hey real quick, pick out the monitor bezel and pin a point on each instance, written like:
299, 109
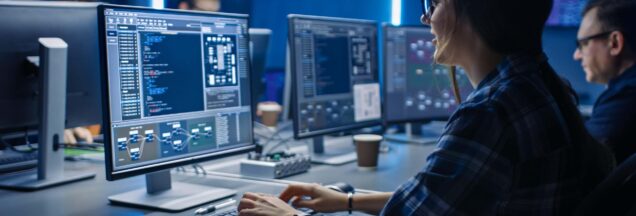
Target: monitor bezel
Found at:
111, 174
385, 68
294, 95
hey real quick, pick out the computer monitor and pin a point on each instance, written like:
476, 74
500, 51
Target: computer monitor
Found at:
334, 76
416, 89
25, 22
176, 92
259, 42
50, 80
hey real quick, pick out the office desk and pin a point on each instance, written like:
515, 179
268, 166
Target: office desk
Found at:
90, 197
394, 168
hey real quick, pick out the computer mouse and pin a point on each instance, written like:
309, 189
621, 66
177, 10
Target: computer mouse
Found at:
342, 187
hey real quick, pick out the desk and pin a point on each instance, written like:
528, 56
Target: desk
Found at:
394, 168
90, 197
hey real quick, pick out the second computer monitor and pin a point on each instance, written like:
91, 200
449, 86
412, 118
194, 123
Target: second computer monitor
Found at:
415, 88
334, 74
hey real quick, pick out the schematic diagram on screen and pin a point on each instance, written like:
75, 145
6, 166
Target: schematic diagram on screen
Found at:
220, 60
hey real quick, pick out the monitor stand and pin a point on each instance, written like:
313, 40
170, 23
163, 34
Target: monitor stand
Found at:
52, 113
341, 150
413, 134
161, 194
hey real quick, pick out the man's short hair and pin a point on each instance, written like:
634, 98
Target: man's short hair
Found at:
617, 15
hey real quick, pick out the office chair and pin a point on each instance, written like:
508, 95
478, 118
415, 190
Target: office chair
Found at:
616, 195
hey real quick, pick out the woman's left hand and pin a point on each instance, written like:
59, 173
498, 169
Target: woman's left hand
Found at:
264, 205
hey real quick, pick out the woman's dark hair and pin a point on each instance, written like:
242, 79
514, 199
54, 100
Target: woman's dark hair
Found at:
596, 161
515, 27
507, 26
617, 15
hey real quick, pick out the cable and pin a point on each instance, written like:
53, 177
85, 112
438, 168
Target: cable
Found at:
26, 139
282, 128
180, 169
198, 167
281, 143
13, 148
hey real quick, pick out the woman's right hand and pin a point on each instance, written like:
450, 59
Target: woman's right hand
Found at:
322, 199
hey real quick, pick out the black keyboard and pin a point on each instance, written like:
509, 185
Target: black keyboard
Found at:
11, 161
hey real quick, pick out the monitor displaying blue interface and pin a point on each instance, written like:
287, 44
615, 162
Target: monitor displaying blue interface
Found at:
334, 74
566, 13
417, 89
177, 88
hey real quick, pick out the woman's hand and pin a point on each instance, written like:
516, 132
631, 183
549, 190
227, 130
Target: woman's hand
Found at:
264, 205
321, 199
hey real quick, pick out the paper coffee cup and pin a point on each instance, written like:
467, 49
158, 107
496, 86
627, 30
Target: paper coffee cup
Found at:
269, 113
367, 149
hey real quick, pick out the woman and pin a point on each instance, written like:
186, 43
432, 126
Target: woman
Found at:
517, 146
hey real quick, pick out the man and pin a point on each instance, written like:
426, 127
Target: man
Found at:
606, 47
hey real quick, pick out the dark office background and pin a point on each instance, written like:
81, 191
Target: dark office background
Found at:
559, 35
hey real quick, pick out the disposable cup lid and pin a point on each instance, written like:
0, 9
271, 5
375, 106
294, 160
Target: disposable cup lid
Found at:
367, 138
269, 107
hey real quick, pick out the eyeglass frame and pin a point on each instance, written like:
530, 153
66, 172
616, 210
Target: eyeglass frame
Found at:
585, 40
427, 9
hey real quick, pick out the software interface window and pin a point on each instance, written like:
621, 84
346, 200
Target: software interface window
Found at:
336, 74
178, 85
417, 88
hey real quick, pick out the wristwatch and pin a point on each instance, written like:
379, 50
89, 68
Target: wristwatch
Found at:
350, 205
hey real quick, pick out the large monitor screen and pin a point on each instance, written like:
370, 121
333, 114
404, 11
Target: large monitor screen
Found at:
177, 87
334, 74
26, 21
417, 89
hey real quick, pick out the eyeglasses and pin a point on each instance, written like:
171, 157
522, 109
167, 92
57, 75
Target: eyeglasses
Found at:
428, 7
583, 41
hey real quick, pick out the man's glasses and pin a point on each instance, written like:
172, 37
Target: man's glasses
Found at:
428, 7
583, 41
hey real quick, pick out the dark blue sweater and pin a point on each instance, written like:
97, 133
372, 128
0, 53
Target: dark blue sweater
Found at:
613, 121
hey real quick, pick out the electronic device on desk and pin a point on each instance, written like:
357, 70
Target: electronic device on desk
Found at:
416, 90
335, 82
50, 79
176, 91
275, 165
11, 161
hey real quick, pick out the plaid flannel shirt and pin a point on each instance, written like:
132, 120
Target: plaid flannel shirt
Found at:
504, 152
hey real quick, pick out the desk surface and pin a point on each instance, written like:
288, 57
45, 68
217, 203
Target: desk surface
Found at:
90, 197
394, 168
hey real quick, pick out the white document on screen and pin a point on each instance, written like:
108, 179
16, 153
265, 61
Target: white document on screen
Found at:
366, 99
